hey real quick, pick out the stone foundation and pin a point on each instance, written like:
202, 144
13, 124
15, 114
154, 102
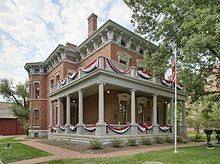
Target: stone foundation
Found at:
38, 133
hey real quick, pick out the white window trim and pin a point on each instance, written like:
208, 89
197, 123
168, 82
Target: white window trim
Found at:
124, 56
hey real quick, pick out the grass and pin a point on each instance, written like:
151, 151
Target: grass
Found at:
203, 135
18, 151
190, 155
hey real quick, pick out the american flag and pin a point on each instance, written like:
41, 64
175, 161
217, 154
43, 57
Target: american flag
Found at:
174, 68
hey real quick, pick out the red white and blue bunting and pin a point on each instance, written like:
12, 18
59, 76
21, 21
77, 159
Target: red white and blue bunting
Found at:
179, 86
114, 68
73, 128
62, 128
142, 128
91, 67
73, 76
164, 128
54, 129
143, 75
119, 130
62, 82
89, 128
165, 82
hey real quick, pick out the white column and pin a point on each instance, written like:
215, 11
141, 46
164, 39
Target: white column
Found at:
67, 126
101, 102
58, 112
184, 127
172, 115
51, 116
155, 124
101, 125
133, 121
133, 113
58, 115
80, 107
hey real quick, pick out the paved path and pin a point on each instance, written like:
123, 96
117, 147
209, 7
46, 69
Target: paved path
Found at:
61, 153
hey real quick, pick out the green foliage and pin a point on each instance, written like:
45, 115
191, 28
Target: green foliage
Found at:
95, 144
192, 26
18, 95
158, 139
117, 142
132, 142
146, 141
25, 126
179, 139
169, 139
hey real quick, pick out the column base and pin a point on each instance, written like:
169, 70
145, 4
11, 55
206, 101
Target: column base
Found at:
59, 130
134, 129
79, 129
100, 129
67, 129
156, 129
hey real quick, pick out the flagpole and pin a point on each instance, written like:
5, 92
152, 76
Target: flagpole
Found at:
175, 111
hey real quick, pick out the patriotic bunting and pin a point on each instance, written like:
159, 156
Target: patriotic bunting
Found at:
119, 130
144, 75
165, 82
89, 128
73, 75
62, 82
116, 69
73, 128
164, 128
91, 67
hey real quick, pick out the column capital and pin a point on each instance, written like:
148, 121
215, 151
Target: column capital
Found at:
68, 95
155, 94
101, 82
132, 90
80, 90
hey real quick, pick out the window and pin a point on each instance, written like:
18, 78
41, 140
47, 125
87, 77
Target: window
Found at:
140, 113
141, 51
124, 57
122, 42
123, 62
30, 91
133, 47
123, 112
36, 90
37, 70
51, 84
57, 78
36, 117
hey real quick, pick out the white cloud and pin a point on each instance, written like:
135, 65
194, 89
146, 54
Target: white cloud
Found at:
31, 30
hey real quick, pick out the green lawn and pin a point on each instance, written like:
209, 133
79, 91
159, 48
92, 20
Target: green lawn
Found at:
18, 151
191, 155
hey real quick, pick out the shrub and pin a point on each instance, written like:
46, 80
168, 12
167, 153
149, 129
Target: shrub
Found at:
159, 139
146, 141
117, 142
96, 144
169, 139
179, 139
131, 142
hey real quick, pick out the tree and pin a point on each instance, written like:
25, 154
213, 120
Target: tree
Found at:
193, 26
19, 96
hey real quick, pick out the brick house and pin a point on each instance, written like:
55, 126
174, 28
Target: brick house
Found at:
9, 125
97, 89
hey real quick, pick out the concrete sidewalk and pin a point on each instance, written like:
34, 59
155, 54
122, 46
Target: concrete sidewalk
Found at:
61, 153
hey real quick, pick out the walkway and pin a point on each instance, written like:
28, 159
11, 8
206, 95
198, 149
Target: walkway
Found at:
61, 153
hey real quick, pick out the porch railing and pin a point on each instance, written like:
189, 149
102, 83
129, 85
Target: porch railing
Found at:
116, 67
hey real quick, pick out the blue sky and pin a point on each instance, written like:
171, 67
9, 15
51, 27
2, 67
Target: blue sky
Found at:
30, 30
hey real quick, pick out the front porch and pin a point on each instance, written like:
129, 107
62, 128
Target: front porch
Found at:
104, 104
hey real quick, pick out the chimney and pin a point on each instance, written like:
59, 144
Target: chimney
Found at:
92, 24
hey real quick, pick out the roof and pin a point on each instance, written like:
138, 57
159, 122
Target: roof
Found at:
6, 111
